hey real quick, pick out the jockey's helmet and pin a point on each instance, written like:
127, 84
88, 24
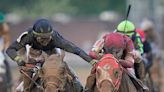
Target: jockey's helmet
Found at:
114, 43
126, 27
43, 31
147, 25
141, 33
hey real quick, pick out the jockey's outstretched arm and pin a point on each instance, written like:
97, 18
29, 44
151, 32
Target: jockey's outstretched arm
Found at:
70, 47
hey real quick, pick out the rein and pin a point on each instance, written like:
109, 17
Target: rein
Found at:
33, 67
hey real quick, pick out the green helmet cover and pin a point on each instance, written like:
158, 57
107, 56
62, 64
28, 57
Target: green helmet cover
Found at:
126, 27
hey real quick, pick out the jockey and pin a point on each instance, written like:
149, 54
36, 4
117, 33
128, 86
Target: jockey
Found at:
151, 41
120, 45
117, 44
147, 49
43, 37
5, 41
148, 27
128, 28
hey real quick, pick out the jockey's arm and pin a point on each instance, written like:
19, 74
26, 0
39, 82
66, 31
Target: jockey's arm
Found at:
68, 46
128, 61
17, 45
96, 49
139, 44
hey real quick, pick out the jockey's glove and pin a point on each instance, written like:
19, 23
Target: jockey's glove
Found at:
93, 62
19, 61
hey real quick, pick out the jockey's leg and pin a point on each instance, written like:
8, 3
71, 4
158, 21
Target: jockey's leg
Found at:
76, 82
141, 73
140, 70
26, 82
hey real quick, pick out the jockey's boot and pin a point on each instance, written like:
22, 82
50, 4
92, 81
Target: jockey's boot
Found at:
140, 70
76, 82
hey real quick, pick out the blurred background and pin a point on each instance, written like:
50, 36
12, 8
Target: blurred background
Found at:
83, 22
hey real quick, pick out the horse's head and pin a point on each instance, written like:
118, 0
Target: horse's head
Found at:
53, 73
108, 73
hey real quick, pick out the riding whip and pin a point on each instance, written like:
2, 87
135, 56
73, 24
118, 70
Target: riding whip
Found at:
127, 15
31, 79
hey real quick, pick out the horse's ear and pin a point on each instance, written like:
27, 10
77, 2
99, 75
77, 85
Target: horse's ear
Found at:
62, 54
44, 55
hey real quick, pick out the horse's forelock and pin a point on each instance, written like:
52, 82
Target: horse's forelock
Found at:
54, 57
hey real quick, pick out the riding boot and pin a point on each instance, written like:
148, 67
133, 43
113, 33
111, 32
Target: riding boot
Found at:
76, 82
140, 70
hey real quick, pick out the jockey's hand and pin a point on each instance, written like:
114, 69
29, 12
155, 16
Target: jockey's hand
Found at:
137, 54
93, 62
19, 61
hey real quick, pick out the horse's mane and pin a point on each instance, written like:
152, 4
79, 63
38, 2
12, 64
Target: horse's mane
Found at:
53, 65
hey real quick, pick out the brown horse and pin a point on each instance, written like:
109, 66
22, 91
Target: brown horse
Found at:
55, 76
108, 76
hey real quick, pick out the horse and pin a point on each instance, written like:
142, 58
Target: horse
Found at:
109, 76
53, 75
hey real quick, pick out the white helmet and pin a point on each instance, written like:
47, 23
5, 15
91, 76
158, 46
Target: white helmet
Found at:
146, 24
